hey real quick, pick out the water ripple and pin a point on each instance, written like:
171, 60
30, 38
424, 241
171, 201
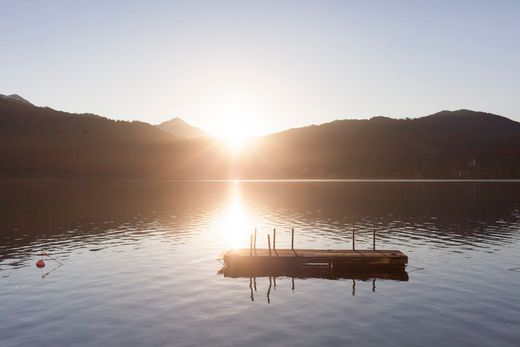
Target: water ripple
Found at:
139, 264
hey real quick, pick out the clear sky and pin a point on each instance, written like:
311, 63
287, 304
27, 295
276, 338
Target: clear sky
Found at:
262, 65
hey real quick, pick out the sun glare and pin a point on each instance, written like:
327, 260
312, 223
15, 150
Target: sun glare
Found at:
235, 142
232, 122
233, 223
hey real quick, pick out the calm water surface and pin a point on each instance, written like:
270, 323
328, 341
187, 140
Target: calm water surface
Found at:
139, 264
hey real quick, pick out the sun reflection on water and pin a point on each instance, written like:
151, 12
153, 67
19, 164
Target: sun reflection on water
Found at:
235, 225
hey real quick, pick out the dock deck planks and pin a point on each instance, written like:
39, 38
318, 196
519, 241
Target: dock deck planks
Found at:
333, 257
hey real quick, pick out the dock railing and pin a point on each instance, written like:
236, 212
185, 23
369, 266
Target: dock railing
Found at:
252, 243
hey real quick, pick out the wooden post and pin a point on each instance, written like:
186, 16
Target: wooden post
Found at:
269, 243
251, 245
353, 239
374, 240
254, 241
292, 239
274, 239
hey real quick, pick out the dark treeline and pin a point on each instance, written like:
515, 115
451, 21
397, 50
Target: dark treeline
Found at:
458, 144
42, 142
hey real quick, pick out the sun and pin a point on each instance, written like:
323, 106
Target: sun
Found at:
233, 124
235, 141
234, 133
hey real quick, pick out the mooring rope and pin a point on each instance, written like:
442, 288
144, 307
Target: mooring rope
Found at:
415, 268
51, 258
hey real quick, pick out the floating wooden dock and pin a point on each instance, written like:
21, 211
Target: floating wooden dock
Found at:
254, 260
265, 258
316, 271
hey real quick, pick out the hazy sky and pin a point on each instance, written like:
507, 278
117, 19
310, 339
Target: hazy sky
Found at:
262, 65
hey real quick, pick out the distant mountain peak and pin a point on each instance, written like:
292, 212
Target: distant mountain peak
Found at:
180, 128
175, 121
15, 97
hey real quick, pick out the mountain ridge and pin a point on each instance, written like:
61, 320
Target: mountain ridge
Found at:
42, 142
15, 97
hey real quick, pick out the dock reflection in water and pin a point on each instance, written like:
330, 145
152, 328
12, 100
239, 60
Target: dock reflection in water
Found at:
312, 272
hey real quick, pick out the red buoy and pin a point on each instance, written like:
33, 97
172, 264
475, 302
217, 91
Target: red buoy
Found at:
40, 263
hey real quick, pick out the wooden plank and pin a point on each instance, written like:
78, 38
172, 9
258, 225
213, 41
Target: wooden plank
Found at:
316, 253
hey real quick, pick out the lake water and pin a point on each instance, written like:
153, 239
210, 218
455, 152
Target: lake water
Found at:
140, 264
